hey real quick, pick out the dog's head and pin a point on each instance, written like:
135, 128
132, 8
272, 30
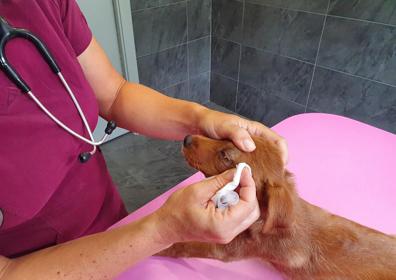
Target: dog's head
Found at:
275, 187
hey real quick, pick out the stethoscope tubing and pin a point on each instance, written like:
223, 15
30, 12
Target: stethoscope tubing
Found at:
7, 33
61, 124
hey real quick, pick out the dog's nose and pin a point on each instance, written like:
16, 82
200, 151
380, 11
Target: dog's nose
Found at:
187, 141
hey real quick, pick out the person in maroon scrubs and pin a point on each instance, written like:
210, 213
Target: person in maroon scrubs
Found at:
54, 209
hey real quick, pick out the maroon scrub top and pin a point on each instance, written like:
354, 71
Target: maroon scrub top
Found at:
46, 195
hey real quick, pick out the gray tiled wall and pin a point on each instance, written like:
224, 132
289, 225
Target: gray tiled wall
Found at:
275, 58
173, 46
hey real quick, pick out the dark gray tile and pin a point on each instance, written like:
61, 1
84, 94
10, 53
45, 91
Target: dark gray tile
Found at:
128, 164
199, 18
159, 28
143, 4
383, 11
281, 76
200, 88
227, 19
225, 57
163, 69
290, 33
199, 56
197, 90
165, 2
266, 108
214, 106
360, 48
223, 91
342, 94
316, 6
309, 110
179, 90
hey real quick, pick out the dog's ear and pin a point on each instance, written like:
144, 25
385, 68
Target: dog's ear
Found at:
278, 209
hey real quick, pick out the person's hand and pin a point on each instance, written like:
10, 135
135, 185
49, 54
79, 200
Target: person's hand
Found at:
219, 125
190, 215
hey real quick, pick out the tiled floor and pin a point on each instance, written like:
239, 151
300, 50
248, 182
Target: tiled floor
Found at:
144, 168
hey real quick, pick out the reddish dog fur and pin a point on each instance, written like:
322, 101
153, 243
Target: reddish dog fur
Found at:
299, 239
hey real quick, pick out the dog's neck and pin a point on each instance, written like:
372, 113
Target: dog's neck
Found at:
279, 203
285, 230
298, 238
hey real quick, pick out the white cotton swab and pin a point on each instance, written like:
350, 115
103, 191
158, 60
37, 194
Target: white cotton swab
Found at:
227, 196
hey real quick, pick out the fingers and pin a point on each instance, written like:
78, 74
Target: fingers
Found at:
240, 134
240, 137
244, 216
206, 189
247, 191
246, 212
258, 129
212, 224
239, 131
241, 216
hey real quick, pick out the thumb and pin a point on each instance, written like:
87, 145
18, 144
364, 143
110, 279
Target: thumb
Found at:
247, 191
207, 188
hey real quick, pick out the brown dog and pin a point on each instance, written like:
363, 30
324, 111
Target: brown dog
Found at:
299, 239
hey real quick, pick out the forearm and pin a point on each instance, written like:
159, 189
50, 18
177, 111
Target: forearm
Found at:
146, 111
99, 256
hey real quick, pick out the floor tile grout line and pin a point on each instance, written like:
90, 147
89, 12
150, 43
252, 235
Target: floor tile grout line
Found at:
172, 47
240, 55
317, 56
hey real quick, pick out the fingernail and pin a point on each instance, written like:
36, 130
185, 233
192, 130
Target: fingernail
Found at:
249, 145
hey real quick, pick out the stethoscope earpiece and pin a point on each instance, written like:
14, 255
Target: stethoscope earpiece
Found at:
110, 127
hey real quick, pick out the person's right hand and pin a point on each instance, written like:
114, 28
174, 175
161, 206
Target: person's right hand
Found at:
190, 215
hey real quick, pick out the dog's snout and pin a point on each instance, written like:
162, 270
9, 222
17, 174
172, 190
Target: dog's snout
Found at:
187, 141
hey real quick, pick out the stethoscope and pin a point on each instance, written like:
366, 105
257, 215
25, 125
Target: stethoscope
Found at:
7, 32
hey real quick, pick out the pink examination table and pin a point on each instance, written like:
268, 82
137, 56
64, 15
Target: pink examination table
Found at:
341, 165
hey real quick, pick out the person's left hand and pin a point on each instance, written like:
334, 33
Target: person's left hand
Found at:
219, 125
189, 214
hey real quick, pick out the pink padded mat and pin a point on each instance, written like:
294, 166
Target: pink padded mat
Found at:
342, 165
